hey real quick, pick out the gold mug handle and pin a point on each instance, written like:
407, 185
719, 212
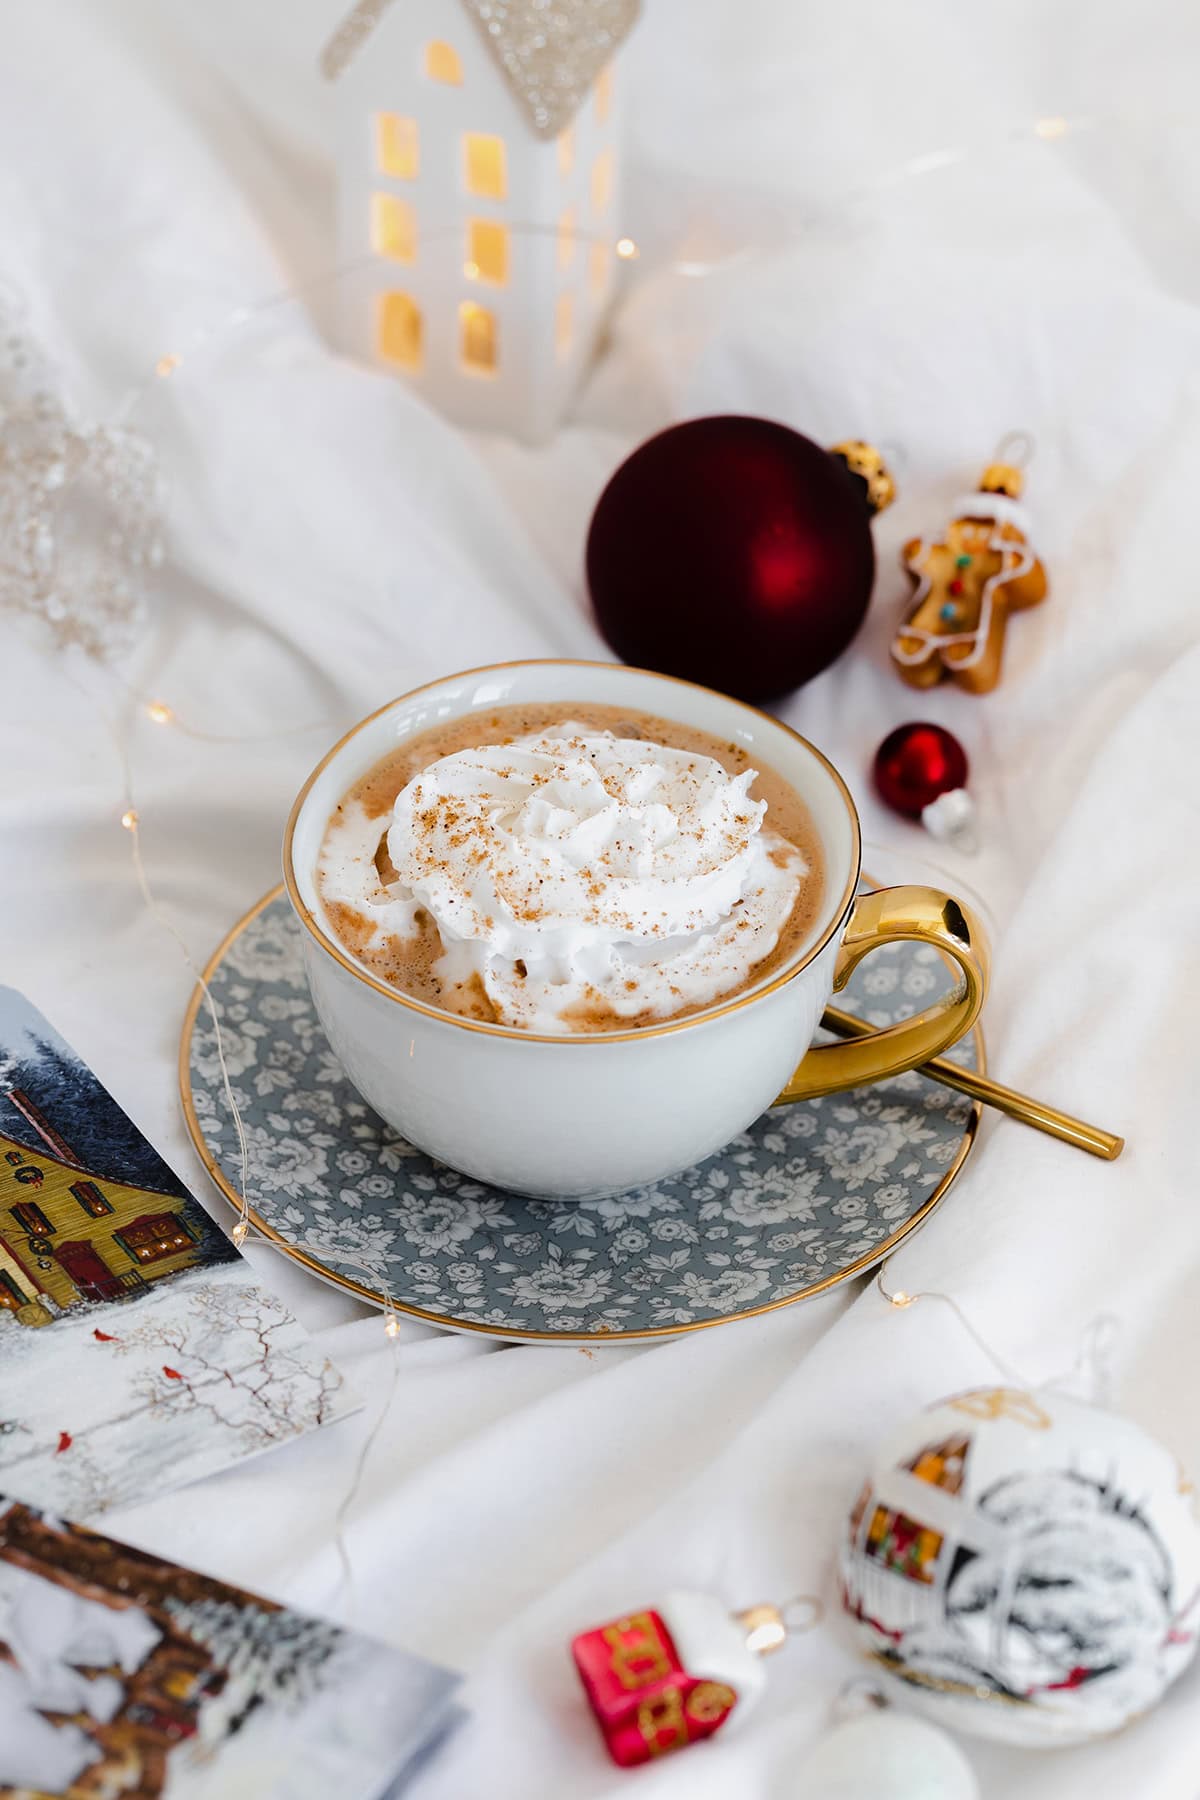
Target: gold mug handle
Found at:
884, 917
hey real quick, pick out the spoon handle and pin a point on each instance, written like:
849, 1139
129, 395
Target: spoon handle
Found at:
981, 1087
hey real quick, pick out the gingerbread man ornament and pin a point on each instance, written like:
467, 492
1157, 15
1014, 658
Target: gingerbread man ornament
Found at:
965, 586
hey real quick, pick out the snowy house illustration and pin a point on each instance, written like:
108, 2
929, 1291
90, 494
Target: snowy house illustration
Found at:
478, 183
121, 1674
69, 1234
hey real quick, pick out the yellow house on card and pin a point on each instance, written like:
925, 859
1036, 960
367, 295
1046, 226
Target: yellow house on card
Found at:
68, 1234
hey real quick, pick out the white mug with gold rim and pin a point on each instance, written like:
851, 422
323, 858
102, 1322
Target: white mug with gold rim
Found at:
572, 1117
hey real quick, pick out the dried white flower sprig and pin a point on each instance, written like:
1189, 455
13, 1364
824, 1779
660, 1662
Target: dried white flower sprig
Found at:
80, 504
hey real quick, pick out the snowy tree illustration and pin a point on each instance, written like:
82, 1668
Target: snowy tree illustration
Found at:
235, 1355
269, 1657
218, 1363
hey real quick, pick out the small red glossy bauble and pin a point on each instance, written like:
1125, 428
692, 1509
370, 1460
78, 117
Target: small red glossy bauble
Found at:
916, 764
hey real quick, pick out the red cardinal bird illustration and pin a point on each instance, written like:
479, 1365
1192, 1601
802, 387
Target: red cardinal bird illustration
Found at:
65, 1440
172, 1374
104, 1337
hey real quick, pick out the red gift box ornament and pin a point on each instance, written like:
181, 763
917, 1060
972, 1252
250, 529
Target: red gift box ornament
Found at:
664, 1678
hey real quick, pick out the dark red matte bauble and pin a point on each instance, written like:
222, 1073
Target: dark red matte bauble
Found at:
916, 764
733, 552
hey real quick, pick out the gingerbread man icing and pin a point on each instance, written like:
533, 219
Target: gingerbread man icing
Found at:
965, 586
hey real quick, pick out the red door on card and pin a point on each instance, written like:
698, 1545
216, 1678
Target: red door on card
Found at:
88, 1270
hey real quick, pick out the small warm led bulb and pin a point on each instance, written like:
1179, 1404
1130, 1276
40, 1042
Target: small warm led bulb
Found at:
626, 249
240, 1232
160, 712
900, 1298
392, 1326
129, 819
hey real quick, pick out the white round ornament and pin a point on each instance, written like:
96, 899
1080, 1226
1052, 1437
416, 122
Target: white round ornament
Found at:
886, 1755
1027, 1565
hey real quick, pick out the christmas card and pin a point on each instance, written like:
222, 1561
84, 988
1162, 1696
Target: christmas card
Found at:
122, 1674
137, 1350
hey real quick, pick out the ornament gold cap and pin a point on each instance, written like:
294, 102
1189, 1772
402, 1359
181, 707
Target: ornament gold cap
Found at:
1002, 478
764, 1628
865, 461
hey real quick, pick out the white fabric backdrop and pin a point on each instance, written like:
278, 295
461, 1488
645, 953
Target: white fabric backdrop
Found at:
163, 163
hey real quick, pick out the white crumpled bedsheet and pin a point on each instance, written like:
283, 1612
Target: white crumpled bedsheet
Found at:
332, 545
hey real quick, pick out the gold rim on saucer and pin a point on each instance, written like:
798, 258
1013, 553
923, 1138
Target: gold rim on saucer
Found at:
362, 1291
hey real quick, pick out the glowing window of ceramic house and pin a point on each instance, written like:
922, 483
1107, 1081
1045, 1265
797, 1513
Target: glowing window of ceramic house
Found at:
598, 268
487, 252
486, 173
398, 333
396, 146
602, 176
442, 64
562, 325
566, 238
566, 150
603, 93
393, 228
478, 338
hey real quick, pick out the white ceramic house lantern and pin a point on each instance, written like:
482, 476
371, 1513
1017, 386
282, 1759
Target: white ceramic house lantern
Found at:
478, 187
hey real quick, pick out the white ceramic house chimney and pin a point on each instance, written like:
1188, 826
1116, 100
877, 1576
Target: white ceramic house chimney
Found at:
478, 183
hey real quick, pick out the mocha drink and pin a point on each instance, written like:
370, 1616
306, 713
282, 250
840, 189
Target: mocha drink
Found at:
570, 869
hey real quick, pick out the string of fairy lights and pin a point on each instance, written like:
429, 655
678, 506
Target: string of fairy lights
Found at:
1048, 129
336, 279
1092, 1363
244, 1226
130, 820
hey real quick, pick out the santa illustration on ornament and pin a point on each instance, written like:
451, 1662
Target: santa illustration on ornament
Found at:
1033, 1573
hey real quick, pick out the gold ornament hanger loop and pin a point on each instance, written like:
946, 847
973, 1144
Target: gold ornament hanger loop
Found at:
1005, 474
1016, 447
769, 1627
866, 461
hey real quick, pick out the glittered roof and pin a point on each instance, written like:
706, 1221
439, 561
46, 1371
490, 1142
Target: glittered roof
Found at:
549, 51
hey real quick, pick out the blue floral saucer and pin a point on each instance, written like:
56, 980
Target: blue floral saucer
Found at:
813, 1193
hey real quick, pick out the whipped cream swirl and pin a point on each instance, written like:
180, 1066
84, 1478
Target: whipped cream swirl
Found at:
577, 875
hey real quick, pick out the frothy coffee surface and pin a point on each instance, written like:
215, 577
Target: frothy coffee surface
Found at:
569, 869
